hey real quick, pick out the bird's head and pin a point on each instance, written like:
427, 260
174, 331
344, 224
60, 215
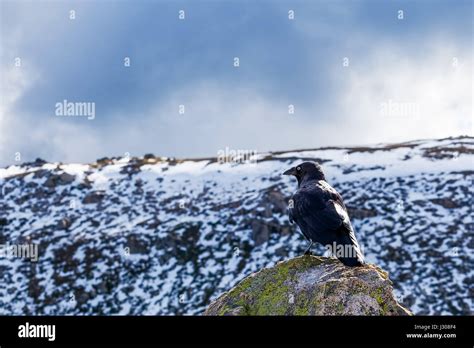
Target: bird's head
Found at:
306, 171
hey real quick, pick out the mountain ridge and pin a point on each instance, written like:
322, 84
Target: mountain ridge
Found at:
152, 235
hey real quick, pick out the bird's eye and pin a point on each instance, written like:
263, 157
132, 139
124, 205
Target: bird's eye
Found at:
298, 168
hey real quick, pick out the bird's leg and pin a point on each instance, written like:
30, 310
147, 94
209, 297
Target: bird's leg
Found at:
308, 250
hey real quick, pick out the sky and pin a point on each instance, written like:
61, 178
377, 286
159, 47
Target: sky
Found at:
310, 74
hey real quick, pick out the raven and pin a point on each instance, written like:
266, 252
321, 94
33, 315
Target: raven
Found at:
318, 210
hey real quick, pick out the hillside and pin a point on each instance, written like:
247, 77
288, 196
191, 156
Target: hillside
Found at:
157, 235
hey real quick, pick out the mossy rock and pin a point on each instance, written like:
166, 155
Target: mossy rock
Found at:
310, 285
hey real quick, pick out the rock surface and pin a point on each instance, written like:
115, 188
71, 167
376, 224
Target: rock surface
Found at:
310, 285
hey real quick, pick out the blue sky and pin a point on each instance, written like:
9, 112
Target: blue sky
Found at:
421, 64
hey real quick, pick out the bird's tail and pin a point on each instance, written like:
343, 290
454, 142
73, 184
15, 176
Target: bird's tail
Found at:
351, 261
348, 250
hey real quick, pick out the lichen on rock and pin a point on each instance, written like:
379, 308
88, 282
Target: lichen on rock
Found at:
310, 285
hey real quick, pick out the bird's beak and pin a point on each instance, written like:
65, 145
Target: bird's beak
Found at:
290, 171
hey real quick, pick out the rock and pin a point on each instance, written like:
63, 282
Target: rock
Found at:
310, 285
64, 223
136, 245
276, 200
51, 181
445, 203
38, 162
260, 232
361, 213
93, 197
66, 178
61, 179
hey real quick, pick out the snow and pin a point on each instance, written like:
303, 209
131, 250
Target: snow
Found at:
189, 225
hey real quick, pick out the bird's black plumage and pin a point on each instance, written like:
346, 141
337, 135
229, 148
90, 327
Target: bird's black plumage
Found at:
318, 210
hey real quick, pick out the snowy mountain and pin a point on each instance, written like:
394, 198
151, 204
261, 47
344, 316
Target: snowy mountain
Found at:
151, 235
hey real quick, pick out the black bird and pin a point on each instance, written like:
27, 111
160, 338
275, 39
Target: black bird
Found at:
318, 210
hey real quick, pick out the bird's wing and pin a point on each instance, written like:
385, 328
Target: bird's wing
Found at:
314, 212
345, 234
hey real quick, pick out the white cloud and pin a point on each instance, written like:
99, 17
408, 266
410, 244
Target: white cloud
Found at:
222, 115
15, 81
426, 78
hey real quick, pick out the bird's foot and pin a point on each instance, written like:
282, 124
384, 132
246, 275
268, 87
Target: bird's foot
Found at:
308, 249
